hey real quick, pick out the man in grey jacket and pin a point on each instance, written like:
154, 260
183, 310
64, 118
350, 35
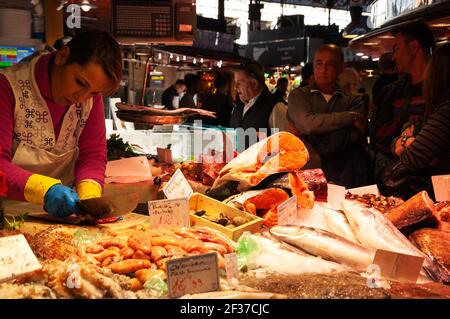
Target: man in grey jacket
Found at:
331, 122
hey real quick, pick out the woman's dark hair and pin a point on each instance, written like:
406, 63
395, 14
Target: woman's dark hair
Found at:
437, 78
98, 47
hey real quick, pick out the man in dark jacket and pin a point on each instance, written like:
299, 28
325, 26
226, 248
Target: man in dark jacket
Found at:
174, 90
280, 90
257, 104
331, 122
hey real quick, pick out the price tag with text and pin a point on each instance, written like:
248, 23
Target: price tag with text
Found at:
336, 194
287, 211
231, 268
178, 186
16, 257
169, 213
396, 266
194, 274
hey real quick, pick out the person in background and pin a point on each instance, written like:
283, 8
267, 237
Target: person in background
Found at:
220, 102
386, 66
349, 80
258, 103
192, 82
331, 122
401, 104
428, 153
52, 132
175, 90
281, 90
307, 74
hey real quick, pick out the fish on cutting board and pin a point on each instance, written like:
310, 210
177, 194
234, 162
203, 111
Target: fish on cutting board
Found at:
326, 245
374, 230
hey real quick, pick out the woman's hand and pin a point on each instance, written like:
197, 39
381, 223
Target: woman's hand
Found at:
405, 140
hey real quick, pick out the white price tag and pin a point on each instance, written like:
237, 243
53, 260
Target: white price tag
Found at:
178, 186
370, 189
231, 268
193, 274
441, 187
287, 211
396, 266
336, 194
16, 257
169, 213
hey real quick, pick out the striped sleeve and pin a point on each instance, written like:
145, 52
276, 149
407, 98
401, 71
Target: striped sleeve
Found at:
432, 143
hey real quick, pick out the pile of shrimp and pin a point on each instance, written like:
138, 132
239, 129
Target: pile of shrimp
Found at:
142, 253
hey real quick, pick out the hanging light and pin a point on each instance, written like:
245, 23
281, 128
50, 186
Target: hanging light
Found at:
184, 58
159, 56
85, 5
178, 58
201, 60
194, 61
171, 56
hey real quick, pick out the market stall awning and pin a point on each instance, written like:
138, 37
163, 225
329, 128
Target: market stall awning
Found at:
380, 40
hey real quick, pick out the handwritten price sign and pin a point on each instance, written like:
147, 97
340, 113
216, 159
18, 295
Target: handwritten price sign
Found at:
178, 186
169, 213
16, 257
287, 211
191, 275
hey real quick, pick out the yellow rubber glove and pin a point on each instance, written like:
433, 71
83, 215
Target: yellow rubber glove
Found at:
37, 186
88, 188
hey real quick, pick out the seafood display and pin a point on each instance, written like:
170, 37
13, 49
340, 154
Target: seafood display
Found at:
281, 152
435, 243
326, 245
382, 203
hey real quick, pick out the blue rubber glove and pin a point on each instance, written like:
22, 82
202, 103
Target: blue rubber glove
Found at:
61, 201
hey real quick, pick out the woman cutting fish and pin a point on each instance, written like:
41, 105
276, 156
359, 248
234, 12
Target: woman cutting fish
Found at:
52, 135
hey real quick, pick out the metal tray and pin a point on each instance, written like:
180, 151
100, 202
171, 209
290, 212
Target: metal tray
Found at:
139, 117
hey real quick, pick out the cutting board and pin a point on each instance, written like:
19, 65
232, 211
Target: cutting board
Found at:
33, 225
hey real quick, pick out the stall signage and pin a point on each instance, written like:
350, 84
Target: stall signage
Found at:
336, 194
169, 213
441, 187
396, 266
16, 257
287, 211
178, 186
194, 274
231, 268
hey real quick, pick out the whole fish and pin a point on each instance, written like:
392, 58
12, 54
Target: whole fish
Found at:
327, 245
374, 230
337, 222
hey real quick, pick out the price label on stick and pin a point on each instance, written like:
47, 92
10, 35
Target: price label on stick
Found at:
396, 266
16, 257
287, 211
194, 274
169, 213
336, 194
231, 268
178, 186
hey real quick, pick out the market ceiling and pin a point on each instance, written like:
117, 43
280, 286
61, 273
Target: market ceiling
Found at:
380, 40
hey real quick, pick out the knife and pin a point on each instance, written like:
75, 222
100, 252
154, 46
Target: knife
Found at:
110, 205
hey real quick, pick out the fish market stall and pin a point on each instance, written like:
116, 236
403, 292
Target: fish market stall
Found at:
255, 244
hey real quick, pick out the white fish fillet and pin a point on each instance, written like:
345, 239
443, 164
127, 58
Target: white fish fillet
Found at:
338, 224
326, 245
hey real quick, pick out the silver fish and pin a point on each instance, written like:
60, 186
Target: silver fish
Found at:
374, 230
326, 245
